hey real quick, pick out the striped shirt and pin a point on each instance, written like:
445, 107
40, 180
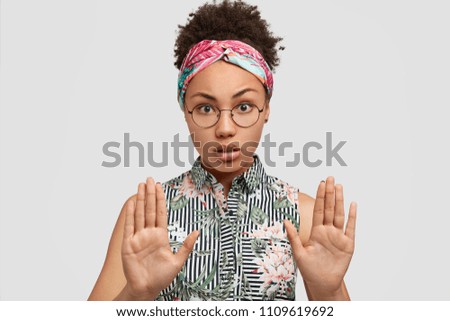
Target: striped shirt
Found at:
242, 252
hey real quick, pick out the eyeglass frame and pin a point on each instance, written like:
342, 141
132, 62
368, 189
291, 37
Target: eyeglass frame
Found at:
231, 110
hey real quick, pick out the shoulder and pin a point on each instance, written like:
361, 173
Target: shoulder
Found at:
305, 204
179, 180
281, 187
305, 200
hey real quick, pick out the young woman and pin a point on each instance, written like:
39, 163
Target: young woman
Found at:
226, 229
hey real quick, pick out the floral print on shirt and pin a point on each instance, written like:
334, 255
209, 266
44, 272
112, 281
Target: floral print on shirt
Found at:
242, 252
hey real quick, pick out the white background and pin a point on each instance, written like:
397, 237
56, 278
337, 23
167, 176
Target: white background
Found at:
77, 74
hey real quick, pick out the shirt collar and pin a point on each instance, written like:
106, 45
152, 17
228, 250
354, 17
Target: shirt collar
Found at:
250, 179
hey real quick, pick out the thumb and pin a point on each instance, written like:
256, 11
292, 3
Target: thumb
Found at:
294, 239
187, 247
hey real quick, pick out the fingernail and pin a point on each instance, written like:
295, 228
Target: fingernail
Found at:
322, 181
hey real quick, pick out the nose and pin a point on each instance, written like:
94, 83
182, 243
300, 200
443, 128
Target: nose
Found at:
225, 127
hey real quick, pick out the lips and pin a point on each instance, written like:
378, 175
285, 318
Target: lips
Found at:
227, 148
228, 153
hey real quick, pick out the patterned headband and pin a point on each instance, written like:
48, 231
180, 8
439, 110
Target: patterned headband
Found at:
237, 52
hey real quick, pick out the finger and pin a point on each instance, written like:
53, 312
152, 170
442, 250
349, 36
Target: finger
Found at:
339, 213
319, 205
294, 239
329, 201
161, 207
186, 248
351, 223
150, 207
129, 219
139, 218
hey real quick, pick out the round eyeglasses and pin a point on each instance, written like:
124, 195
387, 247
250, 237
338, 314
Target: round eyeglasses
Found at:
243, 115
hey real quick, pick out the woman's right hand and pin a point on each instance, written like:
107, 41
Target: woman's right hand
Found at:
148, 262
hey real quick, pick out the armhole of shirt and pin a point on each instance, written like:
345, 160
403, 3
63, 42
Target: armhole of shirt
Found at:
297, 204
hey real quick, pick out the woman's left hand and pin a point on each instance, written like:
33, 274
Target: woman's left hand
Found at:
324, 259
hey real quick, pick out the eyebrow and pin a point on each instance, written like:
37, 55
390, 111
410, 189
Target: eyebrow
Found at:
239, 93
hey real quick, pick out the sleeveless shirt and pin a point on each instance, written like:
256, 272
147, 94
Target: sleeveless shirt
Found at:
242, 252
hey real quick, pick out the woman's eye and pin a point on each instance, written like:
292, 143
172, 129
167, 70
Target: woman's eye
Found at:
205, 109
245, 108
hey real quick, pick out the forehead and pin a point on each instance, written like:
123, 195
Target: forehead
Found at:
224, 79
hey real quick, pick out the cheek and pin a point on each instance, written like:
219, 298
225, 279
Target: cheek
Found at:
199, 138
251, 140
254, 135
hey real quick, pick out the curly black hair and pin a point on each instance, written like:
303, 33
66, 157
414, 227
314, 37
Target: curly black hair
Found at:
228, 20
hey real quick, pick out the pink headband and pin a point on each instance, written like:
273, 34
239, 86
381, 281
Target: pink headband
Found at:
237, 52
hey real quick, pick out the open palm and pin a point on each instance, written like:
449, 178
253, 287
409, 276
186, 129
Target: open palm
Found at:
324, 259
148, 261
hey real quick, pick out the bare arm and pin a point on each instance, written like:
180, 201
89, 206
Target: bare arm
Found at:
111, 280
